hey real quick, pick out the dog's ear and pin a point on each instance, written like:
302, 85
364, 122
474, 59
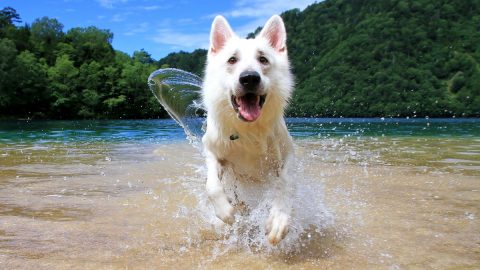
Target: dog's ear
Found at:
219, 34
274, 31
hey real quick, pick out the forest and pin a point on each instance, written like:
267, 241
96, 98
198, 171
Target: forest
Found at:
46, 73
351, 58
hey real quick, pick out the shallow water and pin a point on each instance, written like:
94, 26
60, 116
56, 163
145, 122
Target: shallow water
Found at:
373, 194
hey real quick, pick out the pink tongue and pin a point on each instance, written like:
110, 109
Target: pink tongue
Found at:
249, 107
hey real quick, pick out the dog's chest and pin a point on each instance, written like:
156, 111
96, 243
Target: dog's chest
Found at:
252, 159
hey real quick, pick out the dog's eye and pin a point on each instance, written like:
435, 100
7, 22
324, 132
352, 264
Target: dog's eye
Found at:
263, 60
232, 60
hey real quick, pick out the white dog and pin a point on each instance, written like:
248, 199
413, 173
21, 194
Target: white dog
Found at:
247, 86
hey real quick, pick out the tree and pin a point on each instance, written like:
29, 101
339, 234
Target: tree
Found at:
143, 57
30, 75
7, 57
193, 62
63, 78
90, 84
45, 34
91, 44
8, 16
136, 92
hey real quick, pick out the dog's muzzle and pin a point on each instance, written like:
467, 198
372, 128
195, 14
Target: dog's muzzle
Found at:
248, 104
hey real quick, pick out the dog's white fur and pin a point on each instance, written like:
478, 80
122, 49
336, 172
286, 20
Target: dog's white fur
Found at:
264, 146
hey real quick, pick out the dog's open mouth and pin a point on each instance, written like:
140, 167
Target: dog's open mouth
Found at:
248, 106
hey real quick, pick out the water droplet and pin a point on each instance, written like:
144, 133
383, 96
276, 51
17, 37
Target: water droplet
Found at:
470, 216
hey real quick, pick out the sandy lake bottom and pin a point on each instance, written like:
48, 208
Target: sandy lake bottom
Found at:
384, 203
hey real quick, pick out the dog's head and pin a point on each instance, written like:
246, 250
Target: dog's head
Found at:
248, 73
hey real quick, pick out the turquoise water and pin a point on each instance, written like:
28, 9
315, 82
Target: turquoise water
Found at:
166, 130
378, 127
134, 131
445, 145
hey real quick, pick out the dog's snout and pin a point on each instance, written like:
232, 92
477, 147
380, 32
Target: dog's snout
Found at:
250, 80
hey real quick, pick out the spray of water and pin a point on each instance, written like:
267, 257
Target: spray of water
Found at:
310, 222
179, 92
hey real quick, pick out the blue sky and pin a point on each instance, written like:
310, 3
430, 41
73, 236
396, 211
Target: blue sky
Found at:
158, 26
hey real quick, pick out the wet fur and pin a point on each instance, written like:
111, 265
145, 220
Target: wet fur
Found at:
263, 149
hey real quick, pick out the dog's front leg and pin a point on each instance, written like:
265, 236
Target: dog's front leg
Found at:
223, 209
279, 217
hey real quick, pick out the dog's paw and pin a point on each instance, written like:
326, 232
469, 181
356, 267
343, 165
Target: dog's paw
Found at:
277, 226
224, 211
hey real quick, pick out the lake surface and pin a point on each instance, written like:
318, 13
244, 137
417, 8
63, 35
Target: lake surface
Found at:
372, 194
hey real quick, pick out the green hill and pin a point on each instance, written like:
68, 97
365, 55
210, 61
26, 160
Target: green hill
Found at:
386, 58
351, 58
381, 58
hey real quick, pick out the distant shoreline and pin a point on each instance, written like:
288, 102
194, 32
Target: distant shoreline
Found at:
381, 118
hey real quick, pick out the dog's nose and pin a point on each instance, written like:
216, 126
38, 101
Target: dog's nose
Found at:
250, 80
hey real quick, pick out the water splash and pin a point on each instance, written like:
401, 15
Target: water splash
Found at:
179, 92
311, 221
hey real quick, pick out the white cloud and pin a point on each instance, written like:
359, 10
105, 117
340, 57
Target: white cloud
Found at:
120, 4
181, 40
259, 11
149, 7
256, 12
137, 29
120, 17
265, 8
110, 3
